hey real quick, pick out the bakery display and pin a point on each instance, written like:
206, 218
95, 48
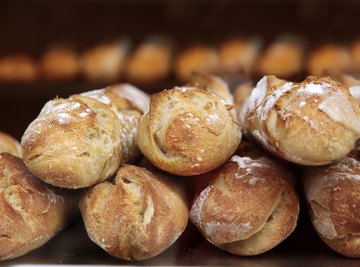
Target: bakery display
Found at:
314, 122
136, 217
9, 144
247, 206
31, 213
188, 131
332, 193
79, 141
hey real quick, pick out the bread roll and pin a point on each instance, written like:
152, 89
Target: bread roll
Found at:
18, 68
238, 55
82, 140
355, 55
150, 62
283, 58
105, 62
135, 218
241, 94
328, 58
247, 207
60, 64
197, 58
9, 144
349, 81
187, 131
310, 123
332, 193
30, 212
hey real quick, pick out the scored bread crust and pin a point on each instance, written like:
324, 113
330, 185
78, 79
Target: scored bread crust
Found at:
248, 206
30, 212
137, 217
333, 196
9, 144
187, 131
310, 123
79, 141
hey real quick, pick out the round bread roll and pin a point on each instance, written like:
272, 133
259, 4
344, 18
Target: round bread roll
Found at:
30, 212
9, 144
333, 195
150, 62
238, 55
82, 140
187, 131
196, 59
59, 64
328, 58
135, 218
18, 68
247, 207
105, 62
283, 58
310, 123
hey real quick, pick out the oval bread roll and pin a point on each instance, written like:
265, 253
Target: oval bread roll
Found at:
82, 140
187, 131
310, 123
30, 212
333, 195
9, 144
135, 218
247, 206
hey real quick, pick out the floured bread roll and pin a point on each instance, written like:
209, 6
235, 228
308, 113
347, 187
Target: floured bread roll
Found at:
247, 206
311, 123
82, 140
9, 144
332, 193
137, 217
30, 212
187, 131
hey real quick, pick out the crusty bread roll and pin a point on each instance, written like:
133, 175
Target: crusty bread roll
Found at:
247, 206
18, 68
332, 193
283, 58
187, 131
349, 81
196, 58
104, 62
137, 217
82, 140
328, 58
31, 213
59, 64
9, 144
310, 123
238, 55
150, 62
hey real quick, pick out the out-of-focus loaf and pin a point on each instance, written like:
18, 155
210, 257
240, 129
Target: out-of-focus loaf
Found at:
9, 144
310, 123
188, 131
18, 68
247, 206
137, 217
31, 213
82, 140
333, 195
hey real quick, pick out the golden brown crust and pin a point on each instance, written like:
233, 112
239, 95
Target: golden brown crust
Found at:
187, 131
60, 64
31, 213
311, 123
9, 144
136, 218
248, 207
196, 59
332, 193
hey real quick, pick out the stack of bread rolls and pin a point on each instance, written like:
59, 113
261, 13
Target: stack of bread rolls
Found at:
242, 197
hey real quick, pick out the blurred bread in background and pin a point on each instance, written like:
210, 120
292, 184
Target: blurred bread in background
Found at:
9, 144
18, 68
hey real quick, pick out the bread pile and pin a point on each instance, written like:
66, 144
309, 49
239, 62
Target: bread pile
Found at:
200, 142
